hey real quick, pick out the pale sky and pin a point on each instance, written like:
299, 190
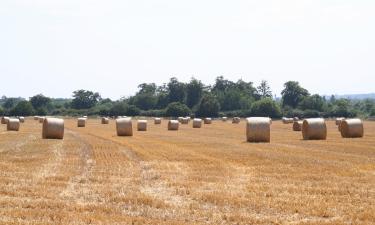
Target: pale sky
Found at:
57, 46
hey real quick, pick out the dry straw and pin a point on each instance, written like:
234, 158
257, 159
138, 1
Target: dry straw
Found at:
81, 122
287, 120
236, 120
41, 119
258, 129
105, 120
297, 125
157, 120
207, 120
185, 120
124, 127
13, 124
53, 128
36, 117
224, 118
338, 120
4, 120
180, 119
314, 129
173, 125
22, 119
197, 123
351, 128
142, 125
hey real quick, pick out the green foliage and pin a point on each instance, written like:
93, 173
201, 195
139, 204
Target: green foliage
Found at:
123, 109
83, 99
194, 92
313, 102
40, 101
266, 107
264, 90
176, 109
23, 108
176, 91
9, 103
2, 111
208, 106
293, 94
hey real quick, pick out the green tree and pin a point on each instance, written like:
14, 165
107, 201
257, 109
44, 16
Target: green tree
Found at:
266, 107
9, 103
23, 108
145, 98
264, 90
176, 109
40, 101
313, 102
194, 92
83, 99
176, 91
208, 106
293, 94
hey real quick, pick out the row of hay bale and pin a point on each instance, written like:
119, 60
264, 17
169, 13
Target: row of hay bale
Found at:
13, 124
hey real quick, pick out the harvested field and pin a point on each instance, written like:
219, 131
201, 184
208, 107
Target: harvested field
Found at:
210, 175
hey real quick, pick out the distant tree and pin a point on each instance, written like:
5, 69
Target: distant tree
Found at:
293, 94
264, 90
83, 99
40, 101
23, 108
145, 98
10, 102
266, 107
194, 92
118, 109
208, 106
341, 108
313, 102
176, 109
1, 111
176, 90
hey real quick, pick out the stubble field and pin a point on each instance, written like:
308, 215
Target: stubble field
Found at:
190, 176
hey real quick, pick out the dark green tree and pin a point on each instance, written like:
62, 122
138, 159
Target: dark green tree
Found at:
293, 94
194, 92
40, 101
176, 89
208, 106
313, 102
23, 108
264, 90
83, 99
176, 109
266, 107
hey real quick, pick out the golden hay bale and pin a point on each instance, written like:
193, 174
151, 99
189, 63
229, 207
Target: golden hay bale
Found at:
41, 119
81, 122
295, 119
124, 127
84, 117
53, 128
180, 118
338, 120
314, 129
13, 124
4, 120
173, 125
258, 129
224, 118
236, 120
287, 120
22, 119
36, 117
197, 123
207, 120
142, 125
184, 120
105, 120
351, 128
157, 120
297, 125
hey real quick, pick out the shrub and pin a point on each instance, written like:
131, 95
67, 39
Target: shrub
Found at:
266, 107
175, 109
208, 107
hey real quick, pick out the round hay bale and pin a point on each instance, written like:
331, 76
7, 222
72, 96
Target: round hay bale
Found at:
13, 124
124, 127
197, 123
4, 120
184, 120
173, 125
338, 120
157, 120
351, 128
84, 117
41, 119
287, 120
207, 120
53, 128
142, 125
81, 122
36, 117
180, 119
224, 118
105, 120
22, 119
236, 120
314, 129
258, 129
295, 119
297, 125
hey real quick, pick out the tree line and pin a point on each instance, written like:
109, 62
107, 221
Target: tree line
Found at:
175, 98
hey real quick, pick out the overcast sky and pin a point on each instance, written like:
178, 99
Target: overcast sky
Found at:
57, 46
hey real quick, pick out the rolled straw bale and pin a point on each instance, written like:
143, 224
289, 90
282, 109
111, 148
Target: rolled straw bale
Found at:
36, 117
41, 119
53, 128
105, 120
142, 125
13, 124
184, 120
197, 123
207, 120
173, 125
297, 125
258, 129
236, 120
124, 127
157, 120
338, 120
224, 118
180, 119
4, 120
314, 129
22, 119
81, 122
84, 117
351, 128
287, 120
295, 119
